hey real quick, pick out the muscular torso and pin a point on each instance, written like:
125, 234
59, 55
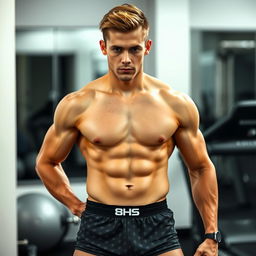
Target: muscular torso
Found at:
126, 141
126, 138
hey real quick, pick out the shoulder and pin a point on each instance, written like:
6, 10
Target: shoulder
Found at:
72, 106
77, 101
80, 100
177, 100
154, 83
181, 105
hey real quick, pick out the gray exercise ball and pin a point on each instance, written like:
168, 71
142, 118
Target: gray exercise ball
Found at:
41, 220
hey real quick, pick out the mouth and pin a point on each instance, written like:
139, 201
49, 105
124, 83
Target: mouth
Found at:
125, 70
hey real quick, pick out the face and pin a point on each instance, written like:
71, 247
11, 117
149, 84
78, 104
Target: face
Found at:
125, 53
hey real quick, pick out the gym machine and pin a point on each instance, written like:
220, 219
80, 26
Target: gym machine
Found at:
235, 134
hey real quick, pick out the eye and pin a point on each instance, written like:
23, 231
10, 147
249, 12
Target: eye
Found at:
116, 49
135, 49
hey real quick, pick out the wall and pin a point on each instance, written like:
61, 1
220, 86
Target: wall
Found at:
81, 43
8, 238
223, 15
172, 67
65, 12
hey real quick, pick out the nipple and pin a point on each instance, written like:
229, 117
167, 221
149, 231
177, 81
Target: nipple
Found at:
96, 141
161, 139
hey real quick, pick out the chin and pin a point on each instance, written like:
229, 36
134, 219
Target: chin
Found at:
125, 79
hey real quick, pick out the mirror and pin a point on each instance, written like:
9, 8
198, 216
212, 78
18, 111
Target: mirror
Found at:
223, 71
50, 63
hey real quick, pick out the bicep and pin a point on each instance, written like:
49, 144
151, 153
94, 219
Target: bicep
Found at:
62, 135
188, 137
192, 147
57, 145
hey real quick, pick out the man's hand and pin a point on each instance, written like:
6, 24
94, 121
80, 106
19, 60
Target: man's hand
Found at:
78, 209
208, 248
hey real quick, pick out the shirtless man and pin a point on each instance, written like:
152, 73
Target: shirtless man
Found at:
127, 124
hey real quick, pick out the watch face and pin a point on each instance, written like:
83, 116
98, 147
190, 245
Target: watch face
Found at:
218, 236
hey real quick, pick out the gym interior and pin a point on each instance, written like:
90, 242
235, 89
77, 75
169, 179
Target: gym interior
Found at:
206, 49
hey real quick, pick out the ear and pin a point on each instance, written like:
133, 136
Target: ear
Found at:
103, 47
148, 46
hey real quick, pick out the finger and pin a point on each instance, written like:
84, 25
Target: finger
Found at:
80, 213
198, 253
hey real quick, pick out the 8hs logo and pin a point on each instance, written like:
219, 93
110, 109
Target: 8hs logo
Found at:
129, 212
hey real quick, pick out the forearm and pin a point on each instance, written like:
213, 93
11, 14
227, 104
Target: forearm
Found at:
57, 183
205, 194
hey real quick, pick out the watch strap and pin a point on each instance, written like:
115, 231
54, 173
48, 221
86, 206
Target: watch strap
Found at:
216, 236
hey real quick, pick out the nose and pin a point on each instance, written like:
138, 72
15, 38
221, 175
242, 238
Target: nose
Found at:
126, 58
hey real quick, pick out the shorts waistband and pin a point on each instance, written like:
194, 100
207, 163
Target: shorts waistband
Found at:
126, 211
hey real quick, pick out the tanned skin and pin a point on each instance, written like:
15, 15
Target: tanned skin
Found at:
126, 125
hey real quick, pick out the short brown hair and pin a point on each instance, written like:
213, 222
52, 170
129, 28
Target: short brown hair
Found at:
123, 18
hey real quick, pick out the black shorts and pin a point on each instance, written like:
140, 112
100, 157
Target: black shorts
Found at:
108, 230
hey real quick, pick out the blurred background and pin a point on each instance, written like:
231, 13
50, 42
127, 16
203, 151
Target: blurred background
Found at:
200, 47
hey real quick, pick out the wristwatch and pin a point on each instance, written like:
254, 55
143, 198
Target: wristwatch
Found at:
216, 236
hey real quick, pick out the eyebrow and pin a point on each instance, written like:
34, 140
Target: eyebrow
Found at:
134, 46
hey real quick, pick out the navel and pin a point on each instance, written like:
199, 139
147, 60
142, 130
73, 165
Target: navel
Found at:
129, 187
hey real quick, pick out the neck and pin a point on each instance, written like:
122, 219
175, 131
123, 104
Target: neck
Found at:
126, 87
